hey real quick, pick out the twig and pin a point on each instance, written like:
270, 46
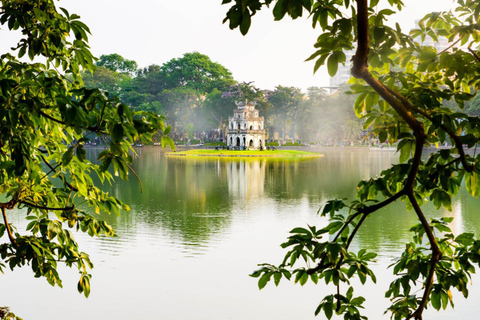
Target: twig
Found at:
7, 226
453, 44
402, 106
93, 129
138, 178
436, 256
474, 54
53, 169
453, 136
365, 211
44, 207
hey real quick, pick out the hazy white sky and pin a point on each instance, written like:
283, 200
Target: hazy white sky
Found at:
155, 31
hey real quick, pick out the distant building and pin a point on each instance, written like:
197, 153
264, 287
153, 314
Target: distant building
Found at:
246, 127
343, 72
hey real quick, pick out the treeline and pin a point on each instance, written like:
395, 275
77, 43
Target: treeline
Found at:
198, 95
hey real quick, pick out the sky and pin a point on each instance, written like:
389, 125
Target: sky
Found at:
156, 31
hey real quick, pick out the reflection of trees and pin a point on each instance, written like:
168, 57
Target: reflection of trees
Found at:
387, 230
192, 199
188, 198
331, 176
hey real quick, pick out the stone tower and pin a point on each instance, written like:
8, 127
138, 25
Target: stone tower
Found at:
246, 127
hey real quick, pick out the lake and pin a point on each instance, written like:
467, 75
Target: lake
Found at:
202, 225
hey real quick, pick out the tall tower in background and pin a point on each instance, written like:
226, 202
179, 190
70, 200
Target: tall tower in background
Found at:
343, 73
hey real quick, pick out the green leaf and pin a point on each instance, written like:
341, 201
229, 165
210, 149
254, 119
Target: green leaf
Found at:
117, 132
328, 309
332, 64
383, 135
246, 22
2, 230
81, 153
67, 156
472, 183
279, 10
262, 282
303, 279
165, 140
276, 277
435, 300
405, 151
445, 299
300, 230
167, 130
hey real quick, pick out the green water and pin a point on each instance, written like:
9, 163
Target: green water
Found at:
202, 225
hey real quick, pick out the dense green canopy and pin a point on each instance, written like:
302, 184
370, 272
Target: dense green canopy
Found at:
47, 118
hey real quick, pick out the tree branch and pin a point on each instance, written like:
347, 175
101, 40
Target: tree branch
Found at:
7, 226
436, 256
474, 54
402, 106
365, 211
453, 44
453, 136
136, 175
53, 169
44, 207
93, 129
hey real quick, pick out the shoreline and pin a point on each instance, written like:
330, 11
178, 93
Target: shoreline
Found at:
245, 153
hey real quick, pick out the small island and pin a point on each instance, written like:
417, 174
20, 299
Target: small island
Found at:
244, 153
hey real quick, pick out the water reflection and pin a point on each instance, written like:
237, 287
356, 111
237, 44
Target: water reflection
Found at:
202, 225
246, 178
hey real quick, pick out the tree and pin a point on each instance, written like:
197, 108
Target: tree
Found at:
117, 63
103, 78
217, 107
47, 118
400, 85
285, 102
351, 130
473, 106
113, 74
244, 92
196, 71
180, 105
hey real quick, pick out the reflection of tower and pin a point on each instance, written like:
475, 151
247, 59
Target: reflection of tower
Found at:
246, 178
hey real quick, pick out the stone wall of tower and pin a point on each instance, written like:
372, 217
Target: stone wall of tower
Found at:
246, 128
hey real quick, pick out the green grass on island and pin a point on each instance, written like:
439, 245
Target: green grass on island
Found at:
244, 153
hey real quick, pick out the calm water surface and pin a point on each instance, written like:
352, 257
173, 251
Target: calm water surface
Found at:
202, 225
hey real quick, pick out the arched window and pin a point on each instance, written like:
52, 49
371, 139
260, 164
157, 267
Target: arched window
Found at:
239, 126
251, 143
251, 127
